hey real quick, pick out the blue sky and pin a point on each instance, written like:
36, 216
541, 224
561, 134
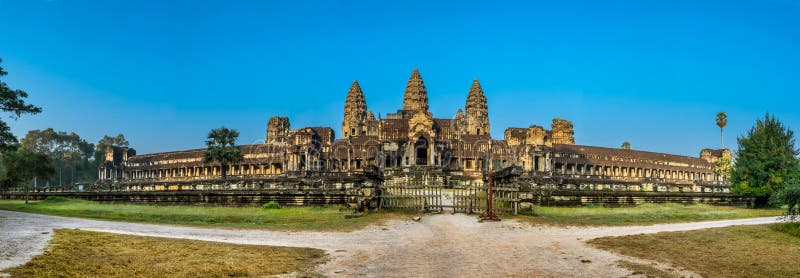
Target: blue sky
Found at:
650, 72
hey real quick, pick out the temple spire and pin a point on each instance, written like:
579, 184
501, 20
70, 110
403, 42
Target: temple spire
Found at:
355, 104
477, 110
416, 96
355, 111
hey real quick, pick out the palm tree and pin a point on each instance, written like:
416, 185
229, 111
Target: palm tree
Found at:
222, 148
722, 121
625, 145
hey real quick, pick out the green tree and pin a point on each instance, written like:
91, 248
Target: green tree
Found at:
625, 145
6, 154
765, 160
722, 121
25, 165
69, 152
723, 167
12, 101
222, 148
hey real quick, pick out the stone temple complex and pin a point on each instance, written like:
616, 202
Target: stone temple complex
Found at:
414, 143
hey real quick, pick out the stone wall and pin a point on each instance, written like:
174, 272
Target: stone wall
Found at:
628, 198
201, 197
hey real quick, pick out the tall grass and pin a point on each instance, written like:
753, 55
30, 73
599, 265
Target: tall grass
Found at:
789, 228
287, 218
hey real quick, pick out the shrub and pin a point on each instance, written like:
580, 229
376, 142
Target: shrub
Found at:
271, 205
789, 196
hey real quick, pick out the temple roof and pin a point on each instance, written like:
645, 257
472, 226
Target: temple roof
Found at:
628, 158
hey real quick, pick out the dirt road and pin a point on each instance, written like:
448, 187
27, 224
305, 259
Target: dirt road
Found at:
437, 246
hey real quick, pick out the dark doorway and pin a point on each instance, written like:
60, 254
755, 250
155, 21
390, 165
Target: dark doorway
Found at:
421, 149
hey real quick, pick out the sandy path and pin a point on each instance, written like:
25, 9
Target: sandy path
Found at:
438, 246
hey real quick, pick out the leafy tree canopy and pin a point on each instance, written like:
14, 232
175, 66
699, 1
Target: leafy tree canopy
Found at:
25, 164
12, 101
723, 167
722, 119
789, 196
71, 155
58, 144
765, 160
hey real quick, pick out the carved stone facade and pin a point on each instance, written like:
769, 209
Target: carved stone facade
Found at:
113, 166
714, 156
277, 130
562, 132
412, 140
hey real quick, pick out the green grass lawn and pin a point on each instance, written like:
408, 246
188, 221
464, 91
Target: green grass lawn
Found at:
324, 218
736, 251
330, 218
639, 215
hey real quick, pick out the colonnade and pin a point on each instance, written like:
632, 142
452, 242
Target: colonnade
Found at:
205, 171
634, 172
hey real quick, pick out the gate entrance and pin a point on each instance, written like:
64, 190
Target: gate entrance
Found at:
472, 199
455, 199
422, 197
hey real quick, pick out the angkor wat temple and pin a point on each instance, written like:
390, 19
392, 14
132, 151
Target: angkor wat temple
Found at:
413, 144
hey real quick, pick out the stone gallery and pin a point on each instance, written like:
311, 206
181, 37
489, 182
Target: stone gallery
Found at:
413, 144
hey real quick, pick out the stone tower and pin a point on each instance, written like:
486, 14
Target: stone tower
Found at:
459, 123
371, 124
477, 111
416, 96
277, 129
355, 112
537, 136
562, 132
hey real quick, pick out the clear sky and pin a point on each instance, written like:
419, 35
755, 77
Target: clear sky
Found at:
650, 72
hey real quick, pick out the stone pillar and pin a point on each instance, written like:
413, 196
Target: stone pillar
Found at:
431, 153
547, 162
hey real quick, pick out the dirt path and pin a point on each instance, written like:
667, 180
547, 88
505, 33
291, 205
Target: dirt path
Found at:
438, 246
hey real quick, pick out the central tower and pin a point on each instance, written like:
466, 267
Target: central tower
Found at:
416, 96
